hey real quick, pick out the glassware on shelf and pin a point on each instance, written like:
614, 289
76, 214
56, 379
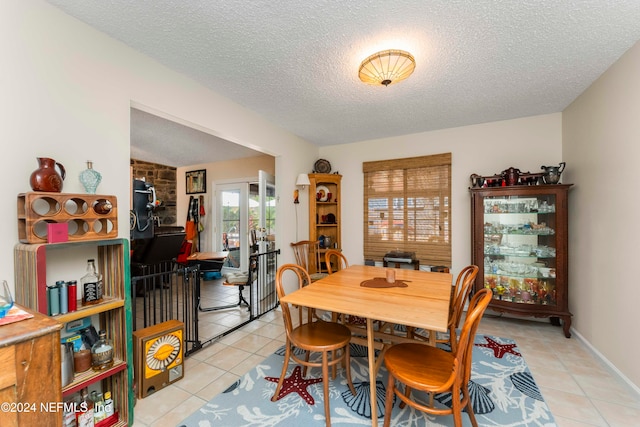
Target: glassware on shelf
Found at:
98, 407
90, 178
6, 300
84, 415
102, 353
108, 405
91, 285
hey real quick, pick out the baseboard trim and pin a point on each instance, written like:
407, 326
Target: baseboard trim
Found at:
606, 361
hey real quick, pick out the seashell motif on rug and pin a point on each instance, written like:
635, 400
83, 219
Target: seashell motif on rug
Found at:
502, 391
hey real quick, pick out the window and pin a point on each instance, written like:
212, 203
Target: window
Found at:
407, 208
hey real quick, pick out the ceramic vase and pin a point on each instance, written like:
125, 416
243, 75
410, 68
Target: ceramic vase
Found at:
46, 177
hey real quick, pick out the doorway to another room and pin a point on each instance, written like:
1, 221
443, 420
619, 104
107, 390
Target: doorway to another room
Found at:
248, 221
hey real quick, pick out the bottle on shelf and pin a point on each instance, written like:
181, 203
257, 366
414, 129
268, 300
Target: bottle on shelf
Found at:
53, 293
91, 285
109, 410
85, 410
69, 412
64, 296
98, 407
72, 292
102, 353
90, 178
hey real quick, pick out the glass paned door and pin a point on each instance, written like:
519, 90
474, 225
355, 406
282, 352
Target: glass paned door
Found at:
231, 223
267, 222
246, 219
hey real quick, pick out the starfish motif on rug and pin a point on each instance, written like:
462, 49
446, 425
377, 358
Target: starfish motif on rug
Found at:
295, 383
499, 350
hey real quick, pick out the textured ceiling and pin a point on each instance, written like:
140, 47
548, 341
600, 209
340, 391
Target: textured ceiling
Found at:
166, 142
295, 62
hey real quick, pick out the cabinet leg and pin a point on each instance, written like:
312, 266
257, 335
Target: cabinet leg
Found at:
566, 324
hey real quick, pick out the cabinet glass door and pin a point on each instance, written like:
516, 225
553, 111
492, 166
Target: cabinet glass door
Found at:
520, 248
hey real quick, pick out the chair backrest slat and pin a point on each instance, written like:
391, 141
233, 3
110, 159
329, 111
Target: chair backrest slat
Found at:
461, 292
464, 350
302, 278
307, 253
340, 258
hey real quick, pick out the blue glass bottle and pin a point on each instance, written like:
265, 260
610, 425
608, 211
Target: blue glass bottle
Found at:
90, 178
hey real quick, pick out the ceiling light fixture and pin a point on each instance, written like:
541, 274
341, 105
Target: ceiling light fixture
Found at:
387, 67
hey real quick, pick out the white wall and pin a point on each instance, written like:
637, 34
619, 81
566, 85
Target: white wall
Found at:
67, 90
240, 169
601, 129
485, 149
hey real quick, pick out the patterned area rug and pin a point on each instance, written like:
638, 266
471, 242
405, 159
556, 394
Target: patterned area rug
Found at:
502, 389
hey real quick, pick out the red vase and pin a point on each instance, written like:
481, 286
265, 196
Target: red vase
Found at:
46, 177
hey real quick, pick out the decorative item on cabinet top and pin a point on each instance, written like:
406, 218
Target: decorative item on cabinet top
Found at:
90, 178
514, 176
46, 177
56, 217
552, 173
322, 166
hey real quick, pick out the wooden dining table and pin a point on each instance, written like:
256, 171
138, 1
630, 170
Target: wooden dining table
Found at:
417, 298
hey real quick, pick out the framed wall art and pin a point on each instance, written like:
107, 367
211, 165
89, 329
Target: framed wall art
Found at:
196, 181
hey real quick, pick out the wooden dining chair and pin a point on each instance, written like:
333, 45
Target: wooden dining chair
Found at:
341, 260
307, 254
459, 296
329, 338
433, 370
341, 263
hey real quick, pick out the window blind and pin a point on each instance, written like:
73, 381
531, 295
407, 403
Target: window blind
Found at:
407, 207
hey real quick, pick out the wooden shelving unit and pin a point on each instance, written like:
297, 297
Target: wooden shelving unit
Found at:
113, 313
325, 216
82, 214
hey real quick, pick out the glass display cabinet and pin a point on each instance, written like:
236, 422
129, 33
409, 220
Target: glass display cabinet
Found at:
519, 243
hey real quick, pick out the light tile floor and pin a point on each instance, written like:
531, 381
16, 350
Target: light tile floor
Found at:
577, 386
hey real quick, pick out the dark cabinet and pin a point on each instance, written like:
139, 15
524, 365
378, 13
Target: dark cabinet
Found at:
520, 244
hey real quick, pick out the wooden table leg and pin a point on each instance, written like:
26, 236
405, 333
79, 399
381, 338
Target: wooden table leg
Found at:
433, 335
372, 373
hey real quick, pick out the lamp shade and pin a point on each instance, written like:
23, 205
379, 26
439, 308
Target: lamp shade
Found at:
387, 67
303, 180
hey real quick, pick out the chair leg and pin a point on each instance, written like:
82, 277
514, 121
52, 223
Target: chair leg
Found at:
306, 359
347, 360
469, 407
334, 368
388, 404
285, 365
325, 376
241, 298
456, 408
407, 393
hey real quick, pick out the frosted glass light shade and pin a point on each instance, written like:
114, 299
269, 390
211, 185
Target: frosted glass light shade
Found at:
387, 67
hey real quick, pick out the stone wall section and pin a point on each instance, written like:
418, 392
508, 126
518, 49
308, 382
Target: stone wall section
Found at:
164, 180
